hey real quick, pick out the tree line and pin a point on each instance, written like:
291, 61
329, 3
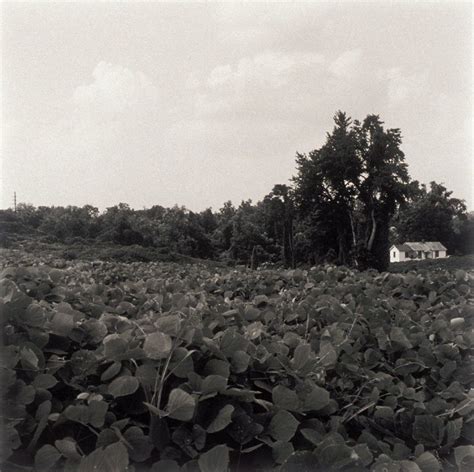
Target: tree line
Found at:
349, 200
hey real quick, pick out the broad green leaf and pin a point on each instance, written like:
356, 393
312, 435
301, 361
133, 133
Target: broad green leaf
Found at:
180, 405
281, 451
334, 456
213, 383
96, 330
34, 315
114, 346
428, 430
41, 416
240, 361
215, 460
365, 457
283, 426
62, 324
111, 371
313, 436
453, 431
327, 354
97, 410
9, 356
409, 466
232, 341
285, 398
123, 386
217, 367
79, 413
29, 358
427, 462
182, 362
301, 356
45, 381
300, 461
397, 335
464, 456
113, 458
140, 446
157, 345
146, 375
251, 313
46, 458
68, 448
169, 324
222, 420
316, 400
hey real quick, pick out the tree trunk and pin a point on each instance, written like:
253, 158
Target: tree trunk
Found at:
354, 240
370, 243
284, 254
252, 259
292, 251
341, 253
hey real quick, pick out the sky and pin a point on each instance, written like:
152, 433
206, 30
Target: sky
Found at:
196, 104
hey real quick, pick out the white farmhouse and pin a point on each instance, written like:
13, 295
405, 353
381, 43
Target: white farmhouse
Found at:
417, 251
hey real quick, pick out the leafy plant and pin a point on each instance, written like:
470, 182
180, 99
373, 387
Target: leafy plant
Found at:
159, 366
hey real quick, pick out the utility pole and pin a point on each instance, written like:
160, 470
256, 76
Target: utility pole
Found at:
14, 201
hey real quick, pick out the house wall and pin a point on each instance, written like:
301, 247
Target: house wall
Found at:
397, 256
401, 256
394, 255
441, 255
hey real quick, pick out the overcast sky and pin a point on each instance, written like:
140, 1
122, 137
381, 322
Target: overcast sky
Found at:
196, 104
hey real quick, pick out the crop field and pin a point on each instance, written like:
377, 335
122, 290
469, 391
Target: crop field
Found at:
163, 367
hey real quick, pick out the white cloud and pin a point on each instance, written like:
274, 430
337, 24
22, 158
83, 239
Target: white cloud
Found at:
346, 65
271, 69
114, 89
264, 86
401, 88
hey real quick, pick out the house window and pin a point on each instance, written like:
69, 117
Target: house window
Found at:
436, 253
419, 254
394, 254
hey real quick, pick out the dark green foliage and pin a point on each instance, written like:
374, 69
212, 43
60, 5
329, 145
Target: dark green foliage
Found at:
434, 215
349, 189
113, 366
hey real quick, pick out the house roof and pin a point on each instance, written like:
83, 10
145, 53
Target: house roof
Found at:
425, 246
402, 247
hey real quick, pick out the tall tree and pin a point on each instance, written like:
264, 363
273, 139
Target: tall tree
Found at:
350, 188
382, 185
325, 189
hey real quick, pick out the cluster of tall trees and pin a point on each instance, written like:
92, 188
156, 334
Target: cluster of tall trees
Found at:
349, 200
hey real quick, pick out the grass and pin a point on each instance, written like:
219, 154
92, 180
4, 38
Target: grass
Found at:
93, 251
450, 263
